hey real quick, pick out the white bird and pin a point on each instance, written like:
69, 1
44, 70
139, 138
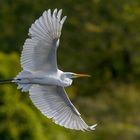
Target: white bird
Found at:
41, 76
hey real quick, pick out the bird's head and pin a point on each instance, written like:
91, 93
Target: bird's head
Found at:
75, 75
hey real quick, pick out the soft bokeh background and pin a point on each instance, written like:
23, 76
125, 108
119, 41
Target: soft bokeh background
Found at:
101, 38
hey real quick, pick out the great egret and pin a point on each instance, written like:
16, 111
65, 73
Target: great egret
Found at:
41, 76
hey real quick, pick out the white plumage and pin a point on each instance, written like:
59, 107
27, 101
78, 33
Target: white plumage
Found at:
41, 76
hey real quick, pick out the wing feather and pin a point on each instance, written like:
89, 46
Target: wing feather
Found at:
54, 103
39, 51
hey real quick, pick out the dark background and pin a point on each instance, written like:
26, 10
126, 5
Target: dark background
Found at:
99, 37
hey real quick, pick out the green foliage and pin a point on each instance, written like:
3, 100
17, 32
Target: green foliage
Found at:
100, 37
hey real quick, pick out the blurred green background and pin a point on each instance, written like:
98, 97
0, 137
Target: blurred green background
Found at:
99, 37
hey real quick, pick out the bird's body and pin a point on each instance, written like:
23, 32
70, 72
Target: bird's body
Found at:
57, 78
41, 76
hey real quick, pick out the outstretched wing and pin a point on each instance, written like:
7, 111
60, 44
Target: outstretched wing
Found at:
39, 51
54, 103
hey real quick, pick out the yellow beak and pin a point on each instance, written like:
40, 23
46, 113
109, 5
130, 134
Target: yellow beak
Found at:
82, 75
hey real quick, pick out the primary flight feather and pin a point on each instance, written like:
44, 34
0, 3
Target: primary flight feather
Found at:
41, 76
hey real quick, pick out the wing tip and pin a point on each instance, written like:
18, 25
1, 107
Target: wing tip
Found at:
92, 127
63, 20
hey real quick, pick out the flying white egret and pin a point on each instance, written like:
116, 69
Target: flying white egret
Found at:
41, 76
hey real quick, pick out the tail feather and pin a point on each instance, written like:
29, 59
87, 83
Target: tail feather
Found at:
7, 81
24, 87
